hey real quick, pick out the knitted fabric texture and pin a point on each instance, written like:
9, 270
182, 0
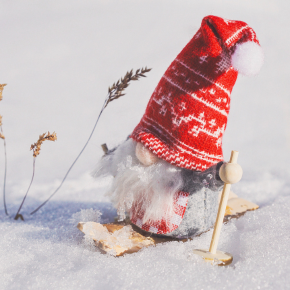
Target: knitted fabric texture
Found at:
186, 117
163, 226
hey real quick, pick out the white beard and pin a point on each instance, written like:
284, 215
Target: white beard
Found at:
150, 189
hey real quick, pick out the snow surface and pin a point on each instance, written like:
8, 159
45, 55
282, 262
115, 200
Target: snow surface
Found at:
58, 58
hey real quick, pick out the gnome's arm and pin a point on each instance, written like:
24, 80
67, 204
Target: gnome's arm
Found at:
144, 155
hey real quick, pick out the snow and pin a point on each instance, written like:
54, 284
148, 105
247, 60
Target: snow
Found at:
58, 58
47, 251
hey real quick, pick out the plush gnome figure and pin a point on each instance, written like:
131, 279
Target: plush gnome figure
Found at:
166, 173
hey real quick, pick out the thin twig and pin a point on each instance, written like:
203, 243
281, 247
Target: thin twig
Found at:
5, 173
72, 163
18, 215
114, 92
5, 154
36, 151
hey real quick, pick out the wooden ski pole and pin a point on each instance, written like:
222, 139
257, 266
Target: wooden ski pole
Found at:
230, 173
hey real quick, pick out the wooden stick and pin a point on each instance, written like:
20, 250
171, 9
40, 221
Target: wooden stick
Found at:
222, 209
105, 148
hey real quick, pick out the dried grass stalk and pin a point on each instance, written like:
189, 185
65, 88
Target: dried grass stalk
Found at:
36, 151
1, 129
114, 92
1, 90
5, 154
37, 146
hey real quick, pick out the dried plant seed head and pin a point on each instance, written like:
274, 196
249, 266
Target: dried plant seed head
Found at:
1, 90
37, 146
116, 90
2, 136
0, 120
51, 137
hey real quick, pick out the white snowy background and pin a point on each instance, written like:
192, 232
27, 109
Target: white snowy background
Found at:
58, 59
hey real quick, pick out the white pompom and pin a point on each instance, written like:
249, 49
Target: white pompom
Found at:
248, 58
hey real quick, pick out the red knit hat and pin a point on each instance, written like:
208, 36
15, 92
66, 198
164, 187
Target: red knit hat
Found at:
186, 117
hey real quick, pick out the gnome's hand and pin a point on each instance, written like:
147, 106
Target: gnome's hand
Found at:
144, 155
